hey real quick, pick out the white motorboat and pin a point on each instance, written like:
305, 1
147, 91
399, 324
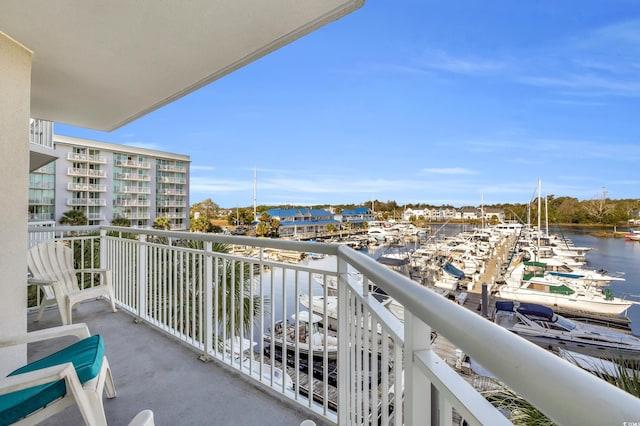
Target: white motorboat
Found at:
307, 337
531, 286
542, 326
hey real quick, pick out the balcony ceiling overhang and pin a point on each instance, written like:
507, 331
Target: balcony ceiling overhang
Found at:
103, 64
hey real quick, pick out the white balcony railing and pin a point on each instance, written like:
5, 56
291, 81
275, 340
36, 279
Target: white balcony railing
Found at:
136, 190
165, 179
136, 216
172, 192
86, 202
133, 164
386, 371
86, 158
174, 203
89, 187
133, 176
172, 168
133, 203
80, 171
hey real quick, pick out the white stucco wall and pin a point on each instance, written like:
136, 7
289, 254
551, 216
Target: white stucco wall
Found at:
15, 101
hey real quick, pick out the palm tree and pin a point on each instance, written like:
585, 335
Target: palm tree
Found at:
120, 221
162, 222
234, 287
74, 218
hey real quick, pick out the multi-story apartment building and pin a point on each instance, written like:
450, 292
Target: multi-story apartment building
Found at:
108, 181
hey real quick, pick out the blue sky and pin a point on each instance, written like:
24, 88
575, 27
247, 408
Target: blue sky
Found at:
420, 102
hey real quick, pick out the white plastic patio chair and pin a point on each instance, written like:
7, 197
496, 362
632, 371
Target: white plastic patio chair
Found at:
51, 264
77, 374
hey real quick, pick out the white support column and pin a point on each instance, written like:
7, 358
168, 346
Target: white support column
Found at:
15, 105
209, 300
15, 108
142, 278
344, 376
419, 407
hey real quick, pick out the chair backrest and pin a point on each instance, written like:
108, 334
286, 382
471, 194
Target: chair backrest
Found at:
53, 261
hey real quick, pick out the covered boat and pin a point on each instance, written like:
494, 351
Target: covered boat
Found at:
542, 326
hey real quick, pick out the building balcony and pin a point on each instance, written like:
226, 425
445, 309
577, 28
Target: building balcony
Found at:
133, 164
136, 190
77, 171
173, 215
164, 179
86, 202
42, 201
133, 176
133, 203
171, 203
172, 168
172, 192
136, 216
88, 187
189, 298
86, 158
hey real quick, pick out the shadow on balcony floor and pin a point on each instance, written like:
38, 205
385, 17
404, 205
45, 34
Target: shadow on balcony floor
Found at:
154, 371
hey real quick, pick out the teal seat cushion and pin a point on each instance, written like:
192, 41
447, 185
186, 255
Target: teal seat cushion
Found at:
86, 356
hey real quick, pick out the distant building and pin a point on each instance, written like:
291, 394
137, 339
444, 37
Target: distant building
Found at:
302, 222
356, 217
468, 213
106, 181
492, 213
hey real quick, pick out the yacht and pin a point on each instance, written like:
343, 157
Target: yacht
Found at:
542, 326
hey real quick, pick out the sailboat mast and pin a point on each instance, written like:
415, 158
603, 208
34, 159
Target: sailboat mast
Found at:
539, 211
255, 194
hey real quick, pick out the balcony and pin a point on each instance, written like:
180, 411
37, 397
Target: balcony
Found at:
171, 203
172, 192
165, 179
88, 187
133, 176
86, 158
132, 203
184, 290
86, 202
81, 171
172, 168
136, 216
95, 216
183, 390
133, 164
136, 190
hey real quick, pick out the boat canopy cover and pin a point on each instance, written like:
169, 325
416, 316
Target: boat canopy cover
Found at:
536, 264
526, 309
565, 275
452, 270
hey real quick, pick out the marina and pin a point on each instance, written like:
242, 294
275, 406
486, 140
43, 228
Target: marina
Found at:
407, 256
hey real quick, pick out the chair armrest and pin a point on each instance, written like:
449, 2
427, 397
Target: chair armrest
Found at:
39, 281
94, 270
80, 330
39, 377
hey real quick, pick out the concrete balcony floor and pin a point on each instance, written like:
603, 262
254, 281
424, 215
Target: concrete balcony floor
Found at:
154, 371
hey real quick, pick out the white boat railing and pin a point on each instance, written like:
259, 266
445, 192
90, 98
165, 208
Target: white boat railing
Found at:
385, 373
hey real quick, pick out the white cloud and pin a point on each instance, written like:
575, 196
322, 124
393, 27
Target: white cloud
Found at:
438, 59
